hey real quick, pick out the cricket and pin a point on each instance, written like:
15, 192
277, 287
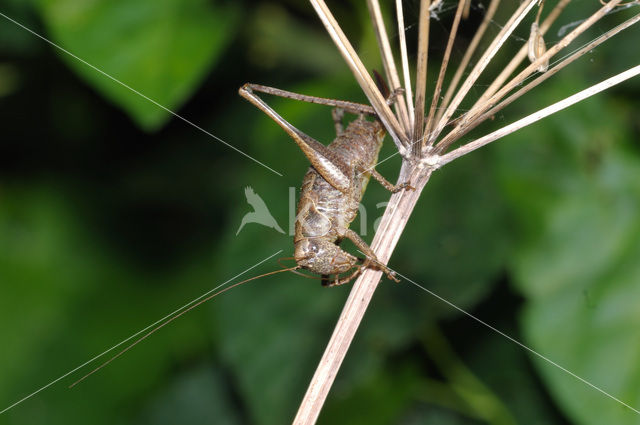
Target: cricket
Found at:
334, 186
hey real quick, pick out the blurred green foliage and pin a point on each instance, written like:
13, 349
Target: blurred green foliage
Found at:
160, 48
112, 215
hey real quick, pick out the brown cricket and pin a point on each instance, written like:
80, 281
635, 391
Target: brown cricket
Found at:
333, 187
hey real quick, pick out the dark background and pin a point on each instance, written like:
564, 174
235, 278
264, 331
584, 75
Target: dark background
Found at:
113, 213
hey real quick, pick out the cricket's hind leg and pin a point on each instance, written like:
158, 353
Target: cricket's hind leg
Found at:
324, 161
351, 107
337, 280
323, 257
371, 256
365, 262
393, 188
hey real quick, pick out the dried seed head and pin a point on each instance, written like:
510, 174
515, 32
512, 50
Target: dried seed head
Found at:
537, 47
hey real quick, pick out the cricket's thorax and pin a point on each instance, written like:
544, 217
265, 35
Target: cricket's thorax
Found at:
324, 213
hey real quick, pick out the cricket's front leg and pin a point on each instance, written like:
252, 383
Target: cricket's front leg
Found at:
371, 256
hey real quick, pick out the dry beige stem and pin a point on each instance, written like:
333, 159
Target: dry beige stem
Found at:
421, 72
467, 9
519, 57
361, 74
388, 62
443, 70
502, 36
405, 65
537, 48
491, 11
471, 117
555, 69
537, 116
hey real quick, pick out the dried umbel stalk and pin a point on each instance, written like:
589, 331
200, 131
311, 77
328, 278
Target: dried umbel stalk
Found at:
536, 47
425, 138
467, 9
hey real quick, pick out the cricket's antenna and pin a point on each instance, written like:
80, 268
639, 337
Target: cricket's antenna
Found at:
294, 270
171, 319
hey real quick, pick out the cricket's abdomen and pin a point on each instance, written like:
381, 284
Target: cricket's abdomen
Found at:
324, 213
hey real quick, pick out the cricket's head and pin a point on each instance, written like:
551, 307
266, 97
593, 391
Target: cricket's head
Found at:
323, 257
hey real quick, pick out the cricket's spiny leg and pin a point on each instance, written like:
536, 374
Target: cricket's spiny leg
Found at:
352, 107
341, 281
359, 268
393, 188
323, 159
371, 256
337, 114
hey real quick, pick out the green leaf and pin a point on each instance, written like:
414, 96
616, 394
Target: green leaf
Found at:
196, 396
575, 189
584, 279
38, 243
160, 48
276, 38
381, 399
505, 369
461, 227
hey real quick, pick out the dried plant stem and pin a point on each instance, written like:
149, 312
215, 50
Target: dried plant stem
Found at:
536, 116
467, 9
557, 68
391, 226
421, 72
361, 74
443, 71
388, 62
604, 10
405, 65
493, 48
521, 55
472, 116
467, 56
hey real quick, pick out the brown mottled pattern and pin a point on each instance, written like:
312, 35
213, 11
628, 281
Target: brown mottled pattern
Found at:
325, 213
